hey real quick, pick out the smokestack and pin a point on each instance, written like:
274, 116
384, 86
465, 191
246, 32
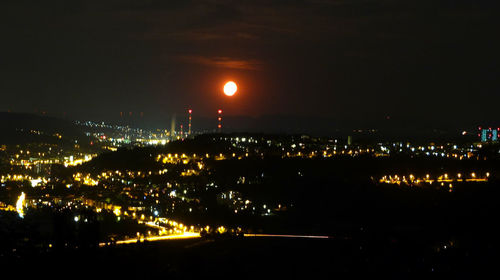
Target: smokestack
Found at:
172, 126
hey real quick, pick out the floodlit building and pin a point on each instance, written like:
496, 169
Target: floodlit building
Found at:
488, 134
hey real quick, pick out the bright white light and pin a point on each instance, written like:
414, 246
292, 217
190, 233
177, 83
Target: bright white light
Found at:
20, 205
230, 88
35, 182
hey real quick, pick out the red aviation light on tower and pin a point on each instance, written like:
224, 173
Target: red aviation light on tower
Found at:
219, 119
189, 124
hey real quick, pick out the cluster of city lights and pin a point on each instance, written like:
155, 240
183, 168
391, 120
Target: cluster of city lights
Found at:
85, 179
412, 180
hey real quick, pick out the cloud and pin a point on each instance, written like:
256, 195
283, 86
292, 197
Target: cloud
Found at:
222, 62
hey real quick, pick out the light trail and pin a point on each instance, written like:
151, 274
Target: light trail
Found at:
288, 236
186, 235
153, 225
192, 235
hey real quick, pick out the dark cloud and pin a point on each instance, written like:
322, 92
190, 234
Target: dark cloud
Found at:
224, 62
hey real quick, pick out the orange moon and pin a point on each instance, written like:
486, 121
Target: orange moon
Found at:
230, 88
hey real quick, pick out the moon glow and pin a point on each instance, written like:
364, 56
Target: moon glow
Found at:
230, 88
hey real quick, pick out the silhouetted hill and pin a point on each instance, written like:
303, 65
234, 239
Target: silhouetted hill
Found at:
144, 158
19, 128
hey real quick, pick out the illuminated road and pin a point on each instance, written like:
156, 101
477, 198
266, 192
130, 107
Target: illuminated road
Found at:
192, 235
153, 225
288, 236
185, 235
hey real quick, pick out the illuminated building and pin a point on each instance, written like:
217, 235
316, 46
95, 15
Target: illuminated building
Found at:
488, 134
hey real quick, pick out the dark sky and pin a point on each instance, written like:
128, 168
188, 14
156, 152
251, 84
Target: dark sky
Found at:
340, 59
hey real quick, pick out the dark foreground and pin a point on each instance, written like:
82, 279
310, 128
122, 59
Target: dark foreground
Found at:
253, 258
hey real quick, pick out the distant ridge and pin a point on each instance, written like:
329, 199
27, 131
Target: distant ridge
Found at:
18, 128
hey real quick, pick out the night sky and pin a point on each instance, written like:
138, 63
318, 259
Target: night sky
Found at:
428, 60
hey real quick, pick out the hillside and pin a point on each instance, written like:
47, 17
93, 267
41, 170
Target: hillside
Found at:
21, 128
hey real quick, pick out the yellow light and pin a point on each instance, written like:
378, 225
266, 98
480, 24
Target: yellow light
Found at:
221, 229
